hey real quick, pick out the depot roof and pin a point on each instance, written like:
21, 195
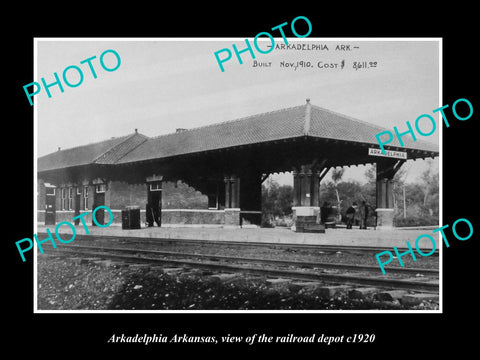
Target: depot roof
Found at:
103, 152
295, 122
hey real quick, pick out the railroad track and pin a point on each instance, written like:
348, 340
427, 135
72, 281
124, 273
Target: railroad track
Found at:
239, 244
363, 275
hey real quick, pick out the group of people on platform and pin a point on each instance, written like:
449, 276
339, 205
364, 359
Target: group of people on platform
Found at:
355, 214
362, 214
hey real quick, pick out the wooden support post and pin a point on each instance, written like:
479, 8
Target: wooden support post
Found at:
386, 170
306, 209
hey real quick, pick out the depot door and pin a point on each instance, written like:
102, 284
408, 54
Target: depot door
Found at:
50, 206
154, 203
99, 200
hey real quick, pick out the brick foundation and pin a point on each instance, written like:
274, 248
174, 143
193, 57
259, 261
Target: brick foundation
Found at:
307, 219
384, 219
232, 218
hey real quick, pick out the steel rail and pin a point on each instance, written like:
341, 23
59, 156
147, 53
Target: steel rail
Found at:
293, 263
159, 241
291, 274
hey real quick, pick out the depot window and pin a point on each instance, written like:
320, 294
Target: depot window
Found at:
100, 188
156, 186
50, 191
64, 198
70, 198
85, 197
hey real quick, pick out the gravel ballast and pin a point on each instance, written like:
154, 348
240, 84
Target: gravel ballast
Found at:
93, 284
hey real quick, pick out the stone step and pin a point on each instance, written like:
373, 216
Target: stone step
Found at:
361, 293
331, 291
278, 283
390, 295
415, 299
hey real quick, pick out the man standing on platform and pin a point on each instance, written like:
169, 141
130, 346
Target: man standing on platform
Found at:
350, 213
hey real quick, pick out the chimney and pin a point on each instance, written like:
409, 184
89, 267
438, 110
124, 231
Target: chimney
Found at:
136, 131
59, 148
306, 125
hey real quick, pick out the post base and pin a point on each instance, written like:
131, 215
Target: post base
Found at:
384, 219
307, 219
232, 218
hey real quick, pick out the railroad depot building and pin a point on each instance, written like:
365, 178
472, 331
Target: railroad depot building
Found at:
212, 175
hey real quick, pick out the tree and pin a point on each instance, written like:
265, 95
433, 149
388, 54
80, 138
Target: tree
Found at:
430, 182
369, 189
276, 202
336, 177
398, 190
371, 174
283, 203
420, 204
344, 193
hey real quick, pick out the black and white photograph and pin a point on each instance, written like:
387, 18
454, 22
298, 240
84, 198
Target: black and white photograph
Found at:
193, 180
193, 183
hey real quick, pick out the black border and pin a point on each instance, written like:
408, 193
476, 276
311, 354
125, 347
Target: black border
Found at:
409, 334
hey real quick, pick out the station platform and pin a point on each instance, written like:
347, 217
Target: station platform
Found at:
335, 237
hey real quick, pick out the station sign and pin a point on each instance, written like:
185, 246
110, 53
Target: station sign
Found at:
388, 153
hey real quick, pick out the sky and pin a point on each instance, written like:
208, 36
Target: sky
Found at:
165, 84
